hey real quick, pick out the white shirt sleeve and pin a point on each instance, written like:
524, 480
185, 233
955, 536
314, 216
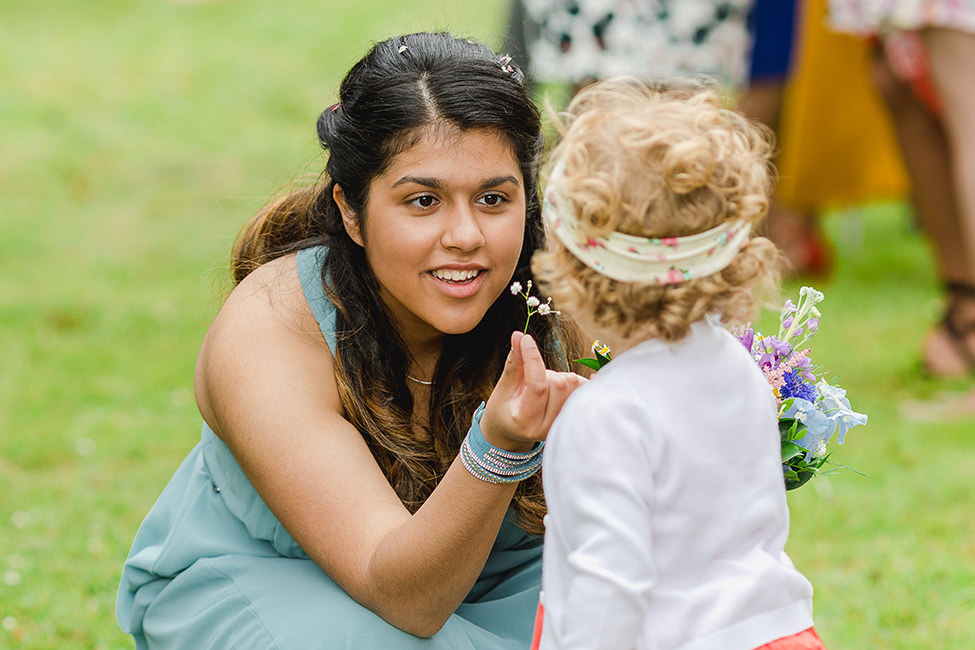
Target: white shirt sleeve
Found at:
599, 517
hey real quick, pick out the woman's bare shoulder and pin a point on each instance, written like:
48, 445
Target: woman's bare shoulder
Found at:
265, 331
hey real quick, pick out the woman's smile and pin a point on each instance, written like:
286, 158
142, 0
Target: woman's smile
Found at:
459, 282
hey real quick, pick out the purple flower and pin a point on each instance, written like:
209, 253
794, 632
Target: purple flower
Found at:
804, 368
781, 349
766, 361
747, 338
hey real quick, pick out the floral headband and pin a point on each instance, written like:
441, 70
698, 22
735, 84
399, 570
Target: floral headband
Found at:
627, 258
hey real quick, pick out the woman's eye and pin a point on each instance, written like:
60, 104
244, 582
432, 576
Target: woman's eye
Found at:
424, 201
492, 200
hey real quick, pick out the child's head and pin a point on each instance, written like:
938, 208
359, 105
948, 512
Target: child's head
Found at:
651, 199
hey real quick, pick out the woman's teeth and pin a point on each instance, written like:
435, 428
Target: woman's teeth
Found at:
455, 276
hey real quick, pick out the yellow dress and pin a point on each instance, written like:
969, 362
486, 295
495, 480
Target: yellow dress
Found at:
837, 143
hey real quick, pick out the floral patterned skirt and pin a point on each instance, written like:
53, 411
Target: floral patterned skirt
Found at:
877, 16
583, 40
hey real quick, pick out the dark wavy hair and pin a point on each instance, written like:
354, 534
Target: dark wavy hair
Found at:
401, 88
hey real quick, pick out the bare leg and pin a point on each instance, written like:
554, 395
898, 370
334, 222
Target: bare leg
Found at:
926, 156
952, 55
794, 232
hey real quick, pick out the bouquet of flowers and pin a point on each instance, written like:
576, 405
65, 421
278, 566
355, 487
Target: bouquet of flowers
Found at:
810, 409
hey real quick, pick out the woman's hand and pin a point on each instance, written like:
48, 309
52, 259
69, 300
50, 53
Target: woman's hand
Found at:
526, 399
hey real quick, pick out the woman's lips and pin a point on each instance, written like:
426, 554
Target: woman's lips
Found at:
461, 288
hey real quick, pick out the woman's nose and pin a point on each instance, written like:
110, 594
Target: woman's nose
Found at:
461, 230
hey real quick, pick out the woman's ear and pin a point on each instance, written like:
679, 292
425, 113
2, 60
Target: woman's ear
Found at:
348, 215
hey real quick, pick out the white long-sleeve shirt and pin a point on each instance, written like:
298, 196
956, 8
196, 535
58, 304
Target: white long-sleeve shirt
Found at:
667, 509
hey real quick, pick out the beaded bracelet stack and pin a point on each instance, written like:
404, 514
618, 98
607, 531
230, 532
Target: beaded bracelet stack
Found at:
493, 465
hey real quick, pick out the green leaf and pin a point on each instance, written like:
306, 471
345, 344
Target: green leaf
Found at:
790, 450
590, 363
791, 429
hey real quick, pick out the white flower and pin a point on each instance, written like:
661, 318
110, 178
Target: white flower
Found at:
544, 310
820, 449
532, 301
813, 295
515, 288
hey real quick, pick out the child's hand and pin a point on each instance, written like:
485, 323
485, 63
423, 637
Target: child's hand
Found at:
526, 399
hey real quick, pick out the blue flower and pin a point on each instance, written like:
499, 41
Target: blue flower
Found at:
818, 427
796, 386
835, 406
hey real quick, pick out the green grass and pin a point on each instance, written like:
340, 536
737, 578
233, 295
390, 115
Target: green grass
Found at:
136, 138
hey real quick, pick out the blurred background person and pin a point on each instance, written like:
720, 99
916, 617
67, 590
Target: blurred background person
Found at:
746, 44
924, 51
857, 120
577, 42
775, 28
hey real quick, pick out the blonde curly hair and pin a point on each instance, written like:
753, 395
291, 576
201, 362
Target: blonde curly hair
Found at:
659, 162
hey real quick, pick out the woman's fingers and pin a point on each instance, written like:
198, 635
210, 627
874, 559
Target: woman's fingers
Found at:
512, 376
560, 386
527, 397
536, 384
530, 405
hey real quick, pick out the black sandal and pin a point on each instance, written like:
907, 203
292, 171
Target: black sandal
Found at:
960, 325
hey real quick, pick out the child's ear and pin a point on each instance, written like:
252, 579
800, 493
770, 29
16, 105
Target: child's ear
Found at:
348, 215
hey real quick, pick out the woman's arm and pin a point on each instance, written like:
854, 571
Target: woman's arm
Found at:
265, 384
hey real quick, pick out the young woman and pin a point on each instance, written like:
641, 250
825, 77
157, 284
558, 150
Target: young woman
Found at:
348, 491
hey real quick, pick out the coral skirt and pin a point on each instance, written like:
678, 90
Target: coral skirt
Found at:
805, 640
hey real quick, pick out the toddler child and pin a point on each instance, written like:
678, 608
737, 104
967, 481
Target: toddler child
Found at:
667, 509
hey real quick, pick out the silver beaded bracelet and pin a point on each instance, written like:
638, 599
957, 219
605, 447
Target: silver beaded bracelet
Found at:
492, 464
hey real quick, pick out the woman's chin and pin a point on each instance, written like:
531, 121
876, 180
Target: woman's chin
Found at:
457, 328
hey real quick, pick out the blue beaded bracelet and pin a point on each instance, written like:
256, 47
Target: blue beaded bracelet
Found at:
493, 465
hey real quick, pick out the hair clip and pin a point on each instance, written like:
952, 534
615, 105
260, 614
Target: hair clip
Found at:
336, 106
505, 63
402, 48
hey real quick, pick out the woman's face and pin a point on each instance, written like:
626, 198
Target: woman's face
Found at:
443, 230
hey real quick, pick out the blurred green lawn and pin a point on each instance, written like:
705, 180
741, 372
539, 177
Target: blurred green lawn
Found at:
135, 139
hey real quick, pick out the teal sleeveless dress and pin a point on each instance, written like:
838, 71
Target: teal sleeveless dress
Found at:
211, 568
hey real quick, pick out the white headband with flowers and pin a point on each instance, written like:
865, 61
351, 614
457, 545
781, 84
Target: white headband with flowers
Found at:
627, 258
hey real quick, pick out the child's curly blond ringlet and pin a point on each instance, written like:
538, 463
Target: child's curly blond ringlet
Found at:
656, 162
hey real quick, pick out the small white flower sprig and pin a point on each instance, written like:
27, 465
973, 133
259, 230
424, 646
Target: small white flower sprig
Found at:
535, 306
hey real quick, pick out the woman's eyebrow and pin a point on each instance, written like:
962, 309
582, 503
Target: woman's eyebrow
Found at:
419, 180
500, 180
437, 184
